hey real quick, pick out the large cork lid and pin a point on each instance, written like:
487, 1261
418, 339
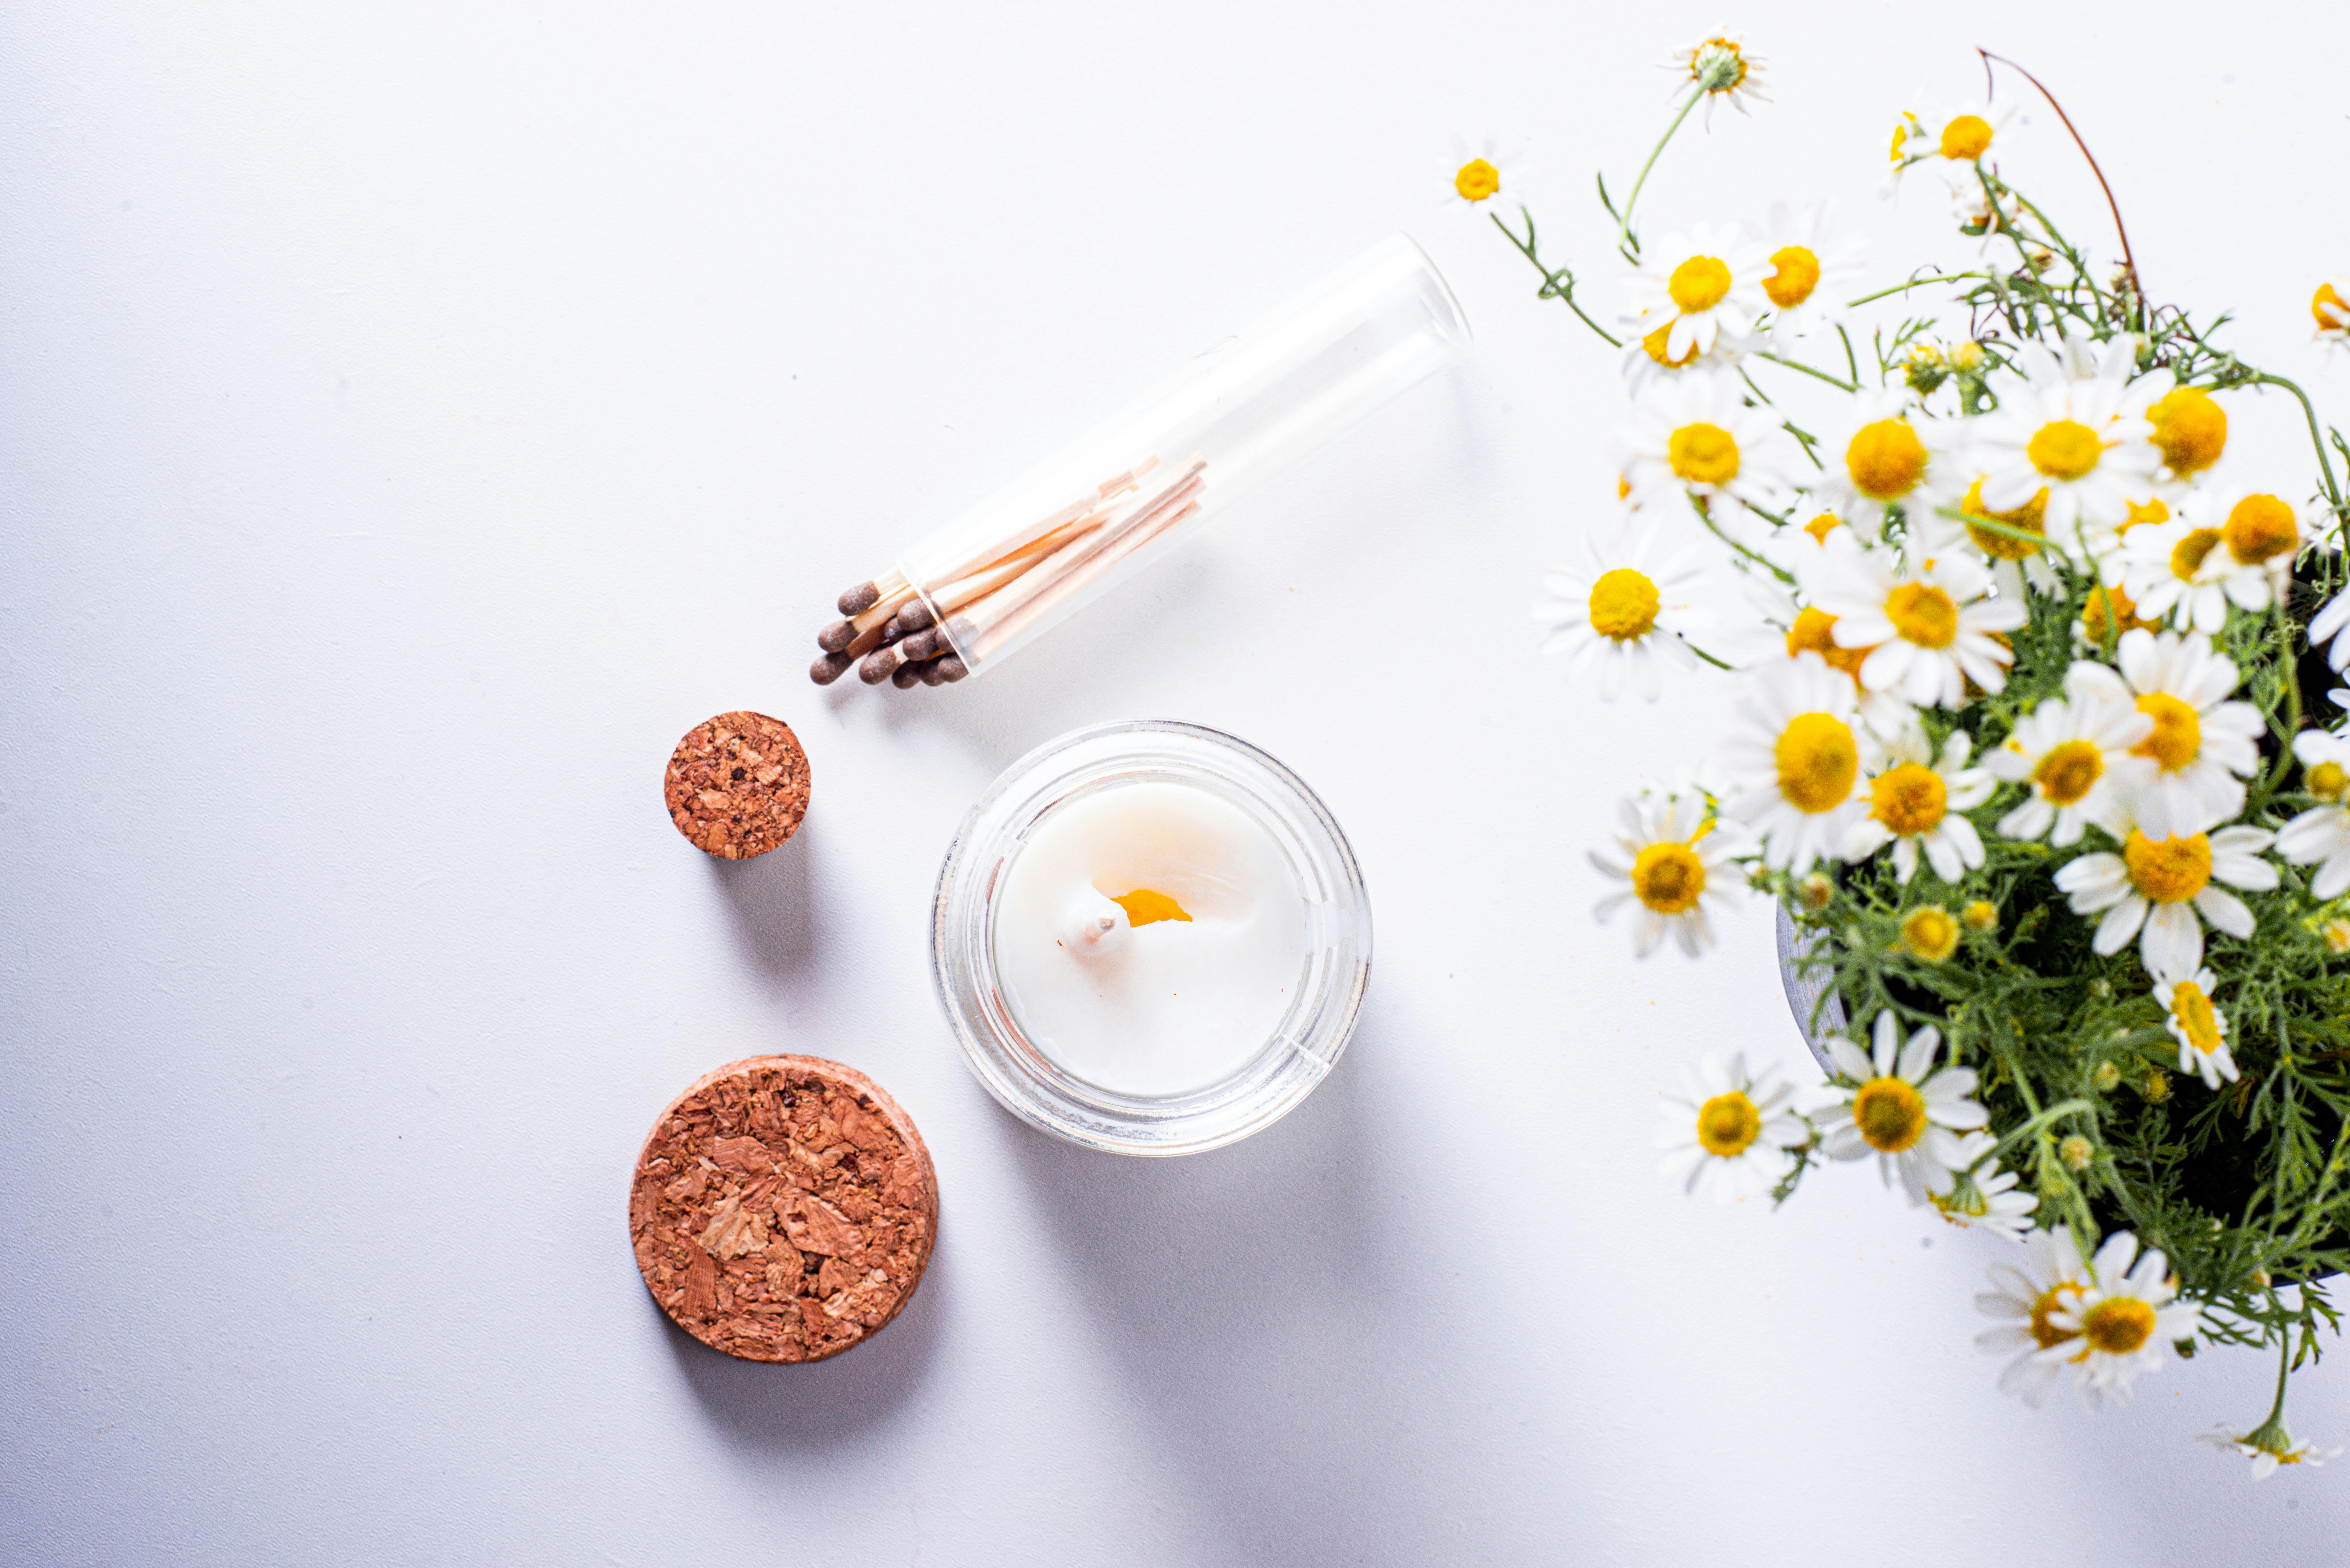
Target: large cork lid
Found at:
784, 1208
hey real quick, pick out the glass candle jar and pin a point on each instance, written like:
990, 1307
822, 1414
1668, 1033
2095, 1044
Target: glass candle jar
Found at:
1106, 1051
1111, 503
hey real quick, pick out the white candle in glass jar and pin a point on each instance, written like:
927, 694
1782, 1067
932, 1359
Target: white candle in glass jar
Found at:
1150, 937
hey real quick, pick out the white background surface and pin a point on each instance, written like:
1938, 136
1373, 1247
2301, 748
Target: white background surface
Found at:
417, 416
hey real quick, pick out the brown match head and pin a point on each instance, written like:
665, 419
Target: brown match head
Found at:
859, 600
952, 669
913, 615
784, 1208
829, 668
933, 675
907, 675
737, 785
921, 646
879, 665
837, 635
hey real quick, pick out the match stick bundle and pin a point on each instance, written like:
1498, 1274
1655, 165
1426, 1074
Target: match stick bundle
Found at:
1001, 591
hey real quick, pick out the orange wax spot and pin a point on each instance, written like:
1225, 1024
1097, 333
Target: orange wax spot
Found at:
1142, 906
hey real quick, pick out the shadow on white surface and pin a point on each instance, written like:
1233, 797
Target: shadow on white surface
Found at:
1248, 1296
791, 1409
772, 899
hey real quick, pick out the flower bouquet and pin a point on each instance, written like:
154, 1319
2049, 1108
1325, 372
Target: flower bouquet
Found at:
2034, 754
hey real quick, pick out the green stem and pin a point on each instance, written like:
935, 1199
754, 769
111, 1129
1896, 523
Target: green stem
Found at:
2292, 701
2062, 1109
1764, 561
2317, 438
1851, 386
1851, 362
1913, 283
1623, 240
1553, 287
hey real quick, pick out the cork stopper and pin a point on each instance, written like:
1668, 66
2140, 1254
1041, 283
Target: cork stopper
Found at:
737, 785
784, 1208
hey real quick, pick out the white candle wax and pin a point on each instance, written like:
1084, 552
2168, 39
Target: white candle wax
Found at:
1149, 937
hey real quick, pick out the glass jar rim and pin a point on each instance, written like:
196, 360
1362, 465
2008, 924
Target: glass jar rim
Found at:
1295, 1057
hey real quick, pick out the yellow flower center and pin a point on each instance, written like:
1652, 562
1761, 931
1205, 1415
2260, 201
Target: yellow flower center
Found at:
2064, 449
1477, 180
2190, 430
2188, 555
1654, 345
2154, 511
1623, 605
1699, 284
1727, 1124
1818, 761
1887, 460
2167, 870
2177, 732
2261, 529
1820, 526
2044, 1332
2093, 613
2031, 517
1909, 799
2067, 771
2328, 306
1667, 877
2118, 1325
2195, 1016
1815, 632
1703, 455
2328, 781
1967, 137
1930, 934
1982, 915
1923, 614
1891, 1115
1798, 274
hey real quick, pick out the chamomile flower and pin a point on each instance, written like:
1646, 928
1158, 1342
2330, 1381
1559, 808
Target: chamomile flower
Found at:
2202, 744
2190, 429
1811, 630
1914, 801
1982, 216
1695, 438
1693, 287
1486, 180
2073, 432
1792, 768
2258, 532
2017, 566
1727, 1131
2330, 307
1931, 628
2199, 1026
2075, 752
1674, 862
1884, 452
1983, 1196
2026, 1301
1812, 269
1951, 141
2321, 835
1723, 69
2122, 1323
1646, 360
2168, 889
2177, 573
1892, 1103
1628, 607
2268, 1447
